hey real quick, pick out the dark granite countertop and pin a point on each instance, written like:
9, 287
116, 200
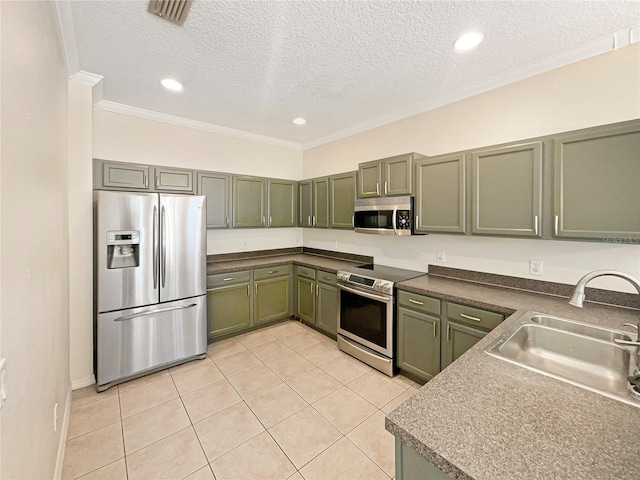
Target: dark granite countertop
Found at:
324, 263
484, 418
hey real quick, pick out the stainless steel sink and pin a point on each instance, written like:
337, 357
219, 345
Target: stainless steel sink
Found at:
574, 352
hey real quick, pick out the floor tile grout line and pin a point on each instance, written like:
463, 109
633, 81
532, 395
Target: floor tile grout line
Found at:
363, 452
124, 446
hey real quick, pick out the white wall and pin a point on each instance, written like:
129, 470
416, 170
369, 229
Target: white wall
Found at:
597, 91
34, 270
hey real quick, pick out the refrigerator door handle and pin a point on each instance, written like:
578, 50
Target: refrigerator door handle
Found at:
153, 312
155, 248
163, 231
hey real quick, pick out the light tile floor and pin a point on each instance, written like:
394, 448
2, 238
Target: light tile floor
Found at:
278, 403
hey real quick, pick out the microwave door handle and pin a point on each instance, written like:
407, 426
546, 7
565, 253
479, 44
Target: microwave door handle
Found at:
393, 221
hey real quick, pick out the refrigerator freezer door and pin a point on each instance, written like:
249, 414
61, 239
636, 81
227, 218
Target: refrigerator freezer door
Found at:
139, 340
183, 247
125, 273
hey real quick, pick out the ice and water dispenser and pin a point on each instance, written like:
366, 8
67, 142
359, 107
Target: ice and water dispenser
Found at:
123, 249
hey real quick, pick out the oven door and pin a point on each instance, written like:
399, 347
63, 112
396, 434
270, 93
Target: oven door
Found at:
366, 318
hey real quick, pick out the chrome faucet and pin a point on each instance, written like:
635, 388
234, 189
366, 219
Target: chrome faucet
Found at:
577, 298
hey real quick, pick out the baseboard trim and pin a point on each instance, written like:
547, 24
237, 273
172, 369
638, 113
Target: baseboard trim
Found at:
83, 382
63, 438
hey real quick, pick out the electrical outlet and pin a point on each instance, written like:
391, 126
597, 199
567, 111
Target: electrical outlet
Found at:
535, 267
440, 256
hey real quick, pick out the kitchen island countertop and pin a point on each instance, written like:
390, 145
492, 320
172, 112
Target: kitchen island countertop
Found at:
484, 418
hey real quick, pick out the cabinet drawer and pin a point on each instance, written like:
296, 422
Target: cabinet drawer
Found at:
419, 302
326, 277
221, 279
269, 272
306, 272
473, 316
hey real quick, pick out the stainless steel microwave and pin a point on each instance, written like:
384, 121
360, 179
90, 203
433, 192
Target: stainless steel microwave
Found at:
384, 216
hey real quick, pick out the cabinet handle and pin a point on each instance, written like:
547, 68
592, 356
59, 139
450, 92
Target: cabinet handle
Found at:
226, 220
434, 329
377, 188
385, 187
353, 221
535, 224
448, 333
228, 279
469, 317
416, 301
317, 289
313, 221
248, 291
309, 220
158, 181
311, 287
272, 271
146, 180
263, 220
555, 225
417, 224
255, 289
270, 220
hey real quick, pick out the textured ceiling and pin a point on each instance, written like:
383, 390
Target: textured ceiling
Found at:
254, 66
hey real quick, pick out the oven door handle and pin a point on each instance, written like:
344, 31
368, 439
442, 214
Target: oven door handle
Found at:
365, 294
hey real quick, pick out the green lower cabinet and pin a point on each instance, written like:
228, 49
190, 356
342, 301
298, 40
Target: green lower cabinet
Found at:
411, 466
306, 300
459, 339
228, 309
418, 343
327, 311
271, 299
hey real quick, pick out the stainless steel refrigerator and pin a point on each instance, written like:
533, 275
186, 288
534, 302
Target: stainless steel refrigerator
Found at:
150, 273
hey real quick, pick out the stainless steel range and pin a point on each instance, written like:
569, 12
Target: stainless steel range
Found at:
366, 313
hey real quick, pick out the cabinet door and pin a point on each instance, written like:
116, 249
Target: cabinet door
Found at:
418, 343
321, 202
305, 204
123, 175
507, 190
440, 194
228, 309
596, 184
343, 199
282, 203
369, 179
459, 339
271, 299
397, 175
327, 314
215, 186
173, 180
249, 202
306, 302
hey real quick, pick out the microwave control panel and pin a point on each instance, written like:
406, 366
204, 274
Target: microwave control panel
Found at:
403, 221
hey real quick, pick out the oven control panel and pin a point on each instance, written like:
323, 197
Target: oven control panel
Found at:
383, 286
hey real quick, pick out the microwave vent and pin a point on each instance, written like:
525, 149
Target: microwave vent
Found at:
174, 11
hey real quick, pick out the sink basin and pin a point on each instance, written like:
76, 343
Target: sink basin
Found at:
574, 352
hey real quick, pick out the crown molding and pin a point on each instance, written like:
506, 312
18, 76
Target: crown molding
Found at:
195, 124
88, 78
67, 36
596, 47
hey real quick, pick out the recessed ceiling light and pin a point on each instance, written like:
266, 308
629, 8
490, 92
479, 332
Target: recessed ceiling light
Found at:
299, 121
468, 41
171, 84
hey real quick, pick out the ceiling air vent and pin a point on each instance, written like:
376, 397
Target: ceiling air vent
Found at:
173, 10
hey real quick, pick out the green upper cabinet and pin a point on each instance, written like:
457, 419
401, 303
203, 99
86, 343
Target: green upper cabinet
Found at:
387, 177
249, 205
440, 194
305, 203
118, 175
343, 199
282, 203
320, 214
369, 179
596, 183
507, 190
216, 187
173, 180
